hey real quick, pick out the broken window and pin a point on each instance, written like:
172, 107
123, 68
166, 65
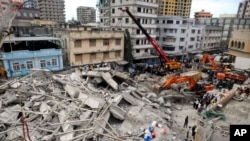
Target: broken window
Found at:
78, 43
54, 62
106, 42
43, 64
29, 64
117, 42
92, 42
16, 66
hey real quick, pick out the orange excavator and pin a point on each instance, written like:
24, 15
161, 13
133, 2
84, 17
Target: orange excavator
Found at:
193, 85
207, 57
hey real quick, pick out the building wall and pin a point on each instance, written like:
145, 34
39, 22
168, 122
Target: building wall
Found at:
20, 59
239, 48
86, 14
178, 36
244, 9
51, 10
144, 11
202, 14
86, 46
228, 25
211, 38
175, 7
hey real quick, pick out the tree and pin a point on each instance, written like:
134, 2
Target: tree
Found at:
128, 56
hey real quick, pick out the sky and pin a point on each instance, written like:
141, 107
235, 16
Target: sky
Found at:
216, 7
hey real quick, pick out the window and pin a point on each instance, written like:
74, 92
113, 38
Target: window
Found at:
105, 42
29, 64
137, 51
169, 21
190, 47
183, 30
127, 20
177, 22
192, 39
78, 57
16, 66
54, 62
193, 31
78, 43
182, 39
113, 10
113, 20
157, 21
139, 9
117, 42
106, 55
146, 50
163, 21
180, 47
118, 54
113, 1
43, 64
92, 42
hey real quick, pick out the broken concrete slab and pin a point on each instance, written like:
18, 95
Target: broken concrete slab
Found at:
91, 73
120, 75
108, 78
91, 101
72, 91
10, 114
117, 112
129, 98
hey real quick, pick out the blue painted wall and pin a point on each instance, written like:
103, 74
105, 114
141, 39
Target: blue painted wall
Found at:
21, 57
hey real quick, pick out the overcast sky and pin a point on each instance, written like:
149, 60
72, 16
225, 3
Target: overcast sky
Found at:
216, 7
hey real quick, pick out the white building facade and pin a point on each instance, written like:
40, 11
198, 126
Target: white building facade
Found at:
146, 13
211, 37
179, 36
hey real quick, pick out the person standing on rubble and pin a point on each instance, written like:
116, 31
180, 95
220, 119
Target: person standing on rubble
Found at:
186, 122
193, 131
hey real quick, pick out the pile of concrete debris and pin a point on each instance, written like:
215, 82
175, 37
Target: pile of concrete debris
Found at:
96, 105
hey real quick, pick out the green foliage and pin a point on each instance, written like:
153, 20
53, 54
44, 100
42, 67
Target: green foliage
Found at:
128, 56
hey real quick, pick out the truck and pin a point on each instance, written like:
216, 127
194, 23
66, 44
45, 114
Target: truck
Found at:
170, 65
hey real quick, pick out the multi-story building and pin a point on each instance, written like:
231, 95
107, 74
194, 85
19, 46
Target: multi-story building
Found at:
85, 45
51, 10
228, 25
178, 36
239, 49
144, 11
244, 9
86, 14
3, 6
202, 14
175, 7
211, 37
27, 53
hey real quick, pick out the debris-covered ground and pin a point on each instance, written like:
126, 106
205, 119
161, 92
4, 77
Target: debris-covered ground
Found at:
103, 105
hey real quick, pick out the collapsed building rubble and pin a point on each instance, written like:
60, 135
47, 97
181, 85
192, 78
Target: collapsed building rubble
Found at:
81, 106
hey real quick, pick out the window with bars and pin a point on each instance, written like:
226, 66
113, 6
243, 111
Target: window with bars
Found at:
43, 64
54, 62
78, 43
29, 64
16, 66
92, 42
106, 42
117, 42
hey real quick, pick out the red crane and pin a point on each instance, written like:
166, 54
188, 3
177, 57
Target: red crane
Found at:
170, 64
